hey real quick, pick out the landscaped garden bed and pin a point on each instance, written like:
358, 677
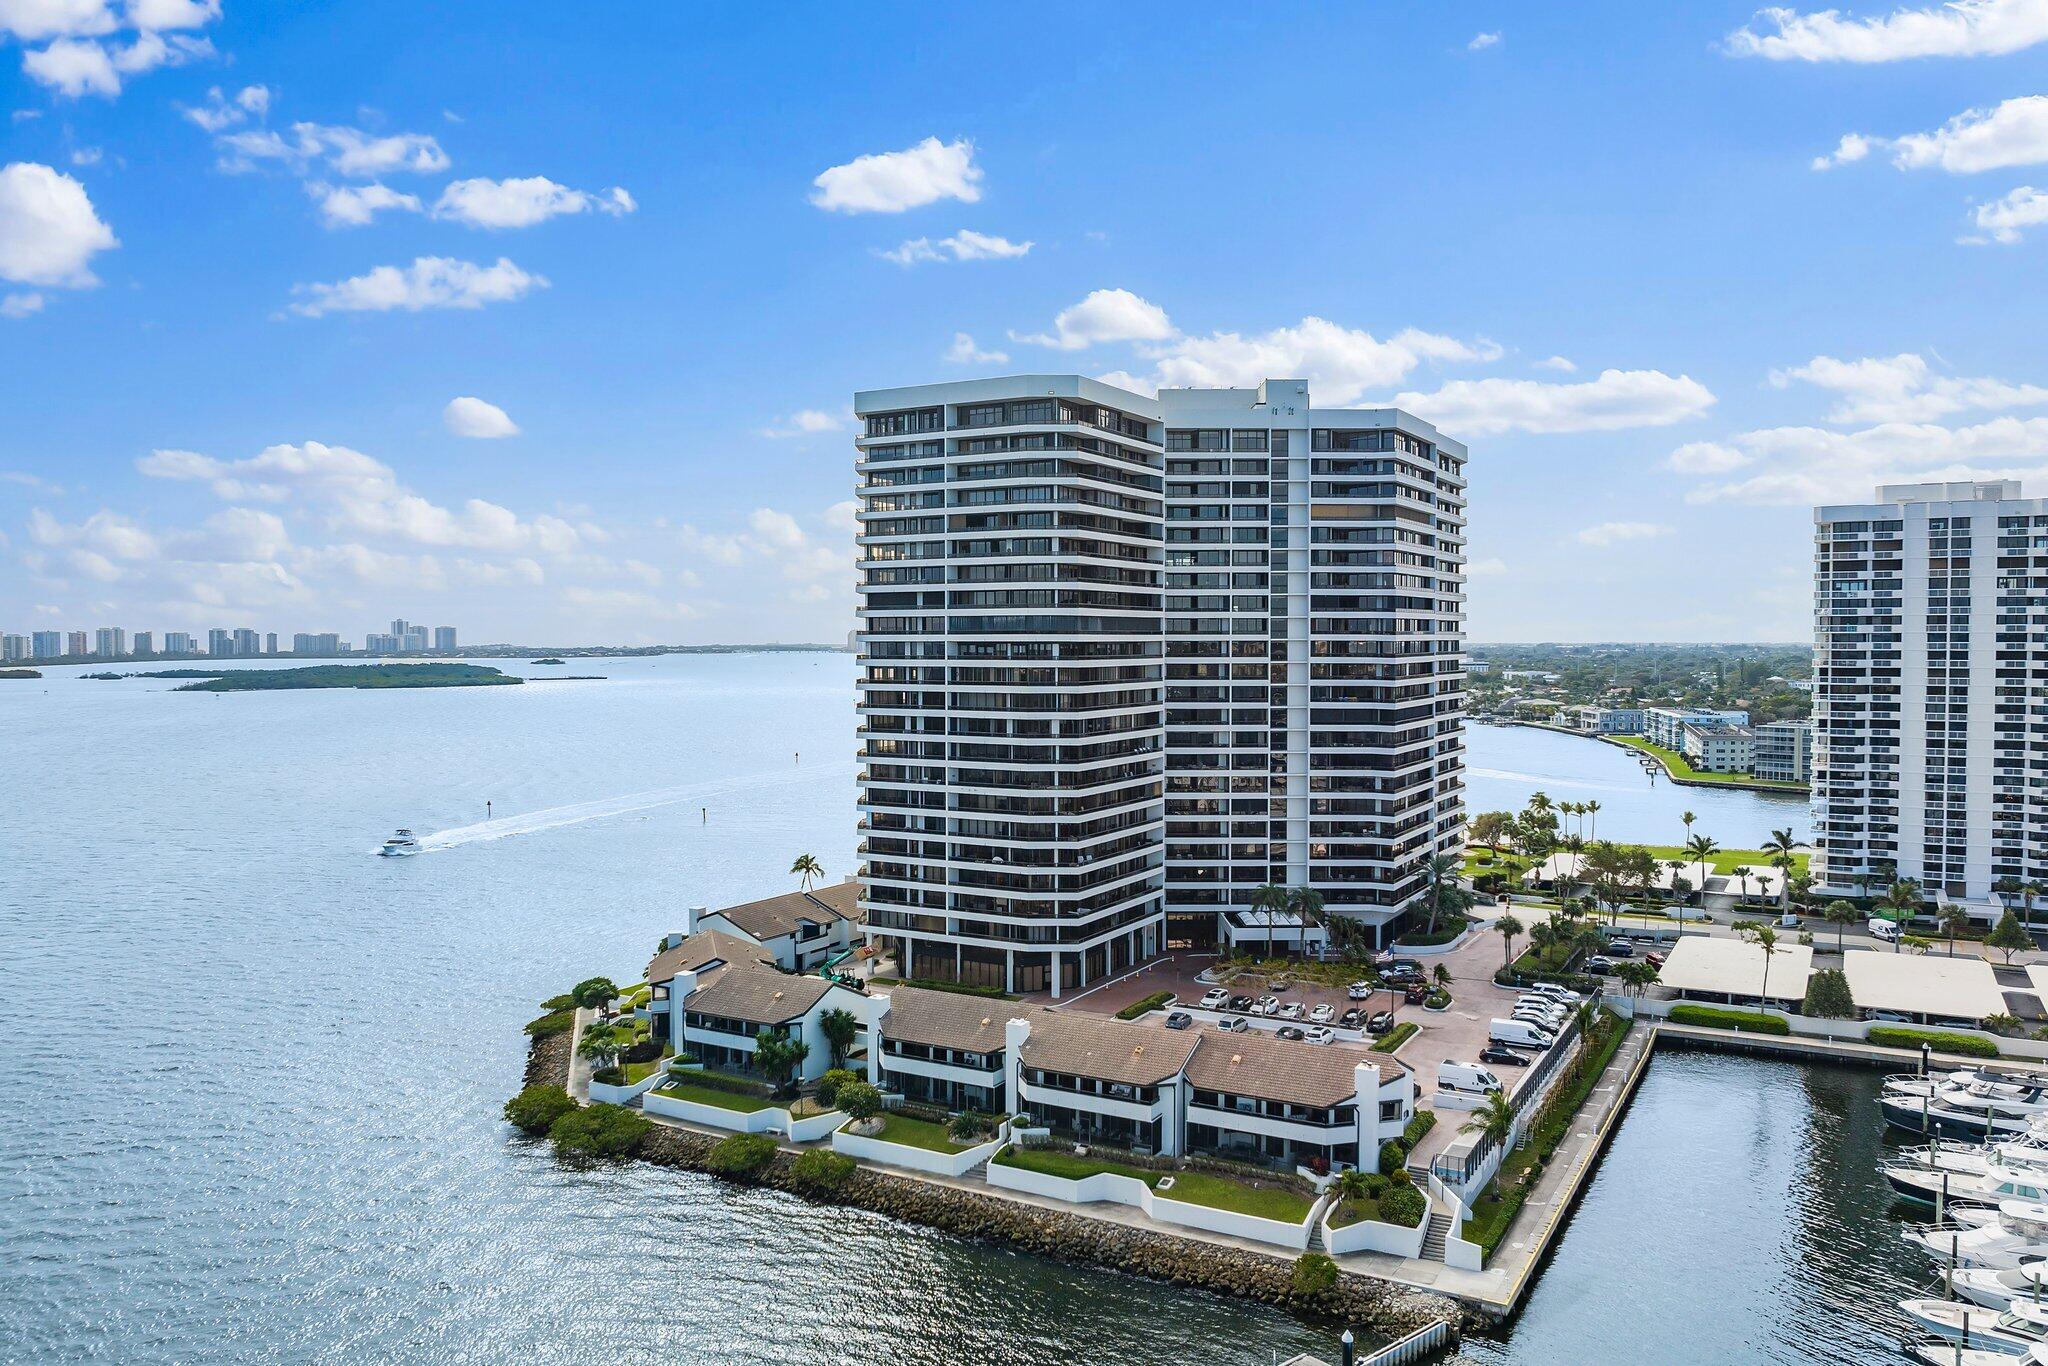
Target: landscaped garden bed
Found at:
916, 1133
694, 1090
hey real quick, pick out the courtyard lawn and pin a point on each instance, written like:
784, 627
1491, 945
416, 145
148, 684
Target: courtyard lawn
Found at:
1069, 1167
917, 1133
709, 1095
1220, 1192
639, 1071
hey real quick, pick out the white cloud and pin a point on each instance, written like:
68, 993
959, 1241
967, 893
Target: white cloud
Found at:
1560, 364
1706, 457
1902, 388
1617, 399
430, 282
1614, 533
220, 113
34, 21
472, 417
1803, 466
808, 422
844, 516
1106, 315
522, 202
890, 182
355, 206
1340, 363
106, 533
963, 351
964, 245
20, 304
1962, 28
153, 15
346, 151
49, 232
74, 67
31, 481
2014, 133
2004, 220
1482, 41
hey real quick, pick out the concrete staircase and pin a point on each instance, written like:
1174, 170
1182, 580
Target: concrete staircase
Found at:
1433, 1237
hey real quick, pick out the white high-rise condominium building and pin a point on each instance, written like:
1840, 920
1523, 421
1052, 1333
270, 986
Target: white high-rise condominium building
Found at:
1010, 683
110, 642
1930, 691
1128, 658
180, 643
1315, 572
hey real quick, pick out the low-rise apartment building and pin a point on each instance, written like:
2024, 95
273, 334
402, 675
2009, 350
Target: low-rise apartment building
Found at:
1608, 720
1666, 725
1784, 752
714, 993
802, 930
1717, 748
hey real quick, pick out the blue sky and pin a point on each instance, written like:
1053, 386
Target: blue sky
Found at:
1672, 272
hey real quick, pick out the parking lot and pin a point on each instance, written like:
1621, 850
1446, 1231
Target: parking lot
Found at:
1457, 1034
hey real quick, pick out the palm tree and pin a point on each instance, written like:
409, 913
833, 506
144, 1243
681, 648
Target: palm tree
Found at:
1593, 809
2027, 895
1742, 871
1441, 868
1780, 846
1493, 1120
1688, 818
1507, 927
1765, 938
808, 869
601, 1045
839, 1026
1350, 1185
1901, 902
1841, 914
1271, 898
1954, 920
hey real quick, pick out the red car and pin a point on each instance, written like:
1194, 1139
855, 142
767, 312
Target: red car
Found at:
1655, 960
1416, 994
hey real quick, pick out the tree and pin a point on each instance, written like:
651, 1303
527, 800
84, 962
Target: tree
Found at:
1742, 871
1636, 976
1841, 914
831, 1081
1444, 892
778, 1056
1491, 828
1827, 996
1765, 938
1507, 927
1780, 846
1352, 1184
807, 869
1701, 848
839, 1026
859, 1100
2006, 889
1307, 903
534, 1110
602, 1044
1688, 818
1493, 1120
592, 992
594, 1131
1899, 905
2008, 936
1954, 920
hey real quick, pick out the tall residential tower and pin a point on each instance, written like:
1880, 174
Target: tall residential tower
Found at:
1930, 673
1125, 660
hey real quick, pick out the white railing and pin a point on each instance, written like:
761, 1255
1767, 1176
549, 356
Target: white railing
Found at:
1419, 1345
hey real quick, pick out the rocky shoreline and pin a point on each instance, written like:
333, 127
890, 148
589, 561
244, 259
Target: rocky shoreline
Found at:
1382, 1307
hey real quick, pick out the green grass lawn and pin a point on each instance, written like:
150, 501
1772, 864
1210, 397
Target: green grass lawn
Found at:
706, 1095
918, 1133
1220, 1192
639, 1071
1065, 1165
1721, 861
1681, 768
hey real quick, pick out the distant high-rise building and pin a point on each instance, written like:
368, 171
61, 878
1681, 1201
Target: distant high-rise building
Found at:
13, 648
220, 644
381, 644
46, 644
399, 626
320, 643
110, 642
246, 643
444, 637
414, 639
1931, 692
270, 642
145, 643
180, 643
79, 644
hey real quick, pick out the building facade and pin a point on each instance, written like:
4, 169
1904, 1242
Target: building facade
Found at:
1716, 748
1124, 658
1783, 751
180, 643
110, 642
144, 643
1931, 691
444, 638
13, 648
1665, 726
46, 644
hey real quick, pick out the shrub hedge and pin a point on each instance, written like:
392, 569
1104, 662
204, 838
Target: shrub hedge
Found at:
741, 1154
821, 1170
553, 1023
1403, 1205
1968, 1045
1146, 1006
1314, 1274
1714, 1017
534, 1110
598, 1131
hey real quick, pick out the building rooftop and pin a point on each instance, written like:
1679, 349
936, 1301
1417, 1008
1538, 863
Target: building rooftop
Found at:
759, 994
1132, 1052
1735, 967
1923, 984
706, 946
772, 917
1316, 1075
950, 1019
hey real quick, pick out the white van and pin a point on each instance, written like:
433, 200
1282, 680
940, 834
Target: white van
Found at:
1887, 930
1519, 1034
1465, 1078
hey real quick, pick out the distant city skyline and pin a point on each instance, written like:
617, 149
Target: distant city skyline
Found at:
220, 642
560, 383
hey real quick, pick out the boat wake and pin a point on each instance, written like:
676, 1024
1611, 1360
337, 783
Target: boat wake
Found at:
555, 817
1549, 780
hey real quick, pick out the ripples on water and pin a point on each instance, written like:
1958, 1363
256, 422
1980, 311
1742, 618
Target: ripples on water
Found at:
250, 1106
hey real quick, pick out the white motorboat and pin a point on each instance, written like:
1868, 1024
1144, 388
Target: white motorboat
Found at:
2029, 1152
400, 844
1940, 1351
1982, 1110
1960, 1189
1998, 1288
2014, 1332
2017, 1235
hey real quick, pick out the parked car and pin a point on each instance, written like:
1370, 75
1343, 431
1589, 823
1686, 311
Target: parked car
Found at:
1233, 1024
1655, 960
1293, 1010
1321, 1034
1416, 994
1351, 1019
1289, 1033
1501, 1056
1358, 991
1241, 1002
1621, 948
1215, 998
1600, 965
1564, 996
1323, 1014
1179, 1019
1267, 1005
1381, 1023
1280, 984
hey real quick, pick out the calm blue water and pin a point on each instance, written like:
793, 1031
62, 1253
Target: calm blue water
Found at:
1505, 764
249, 1108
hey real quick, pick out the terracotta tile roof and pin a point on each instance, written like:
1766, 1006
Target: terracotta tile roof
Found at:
774, 916
707, 946
950, 1019
759, 995
1318, 1075
1101, 1046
